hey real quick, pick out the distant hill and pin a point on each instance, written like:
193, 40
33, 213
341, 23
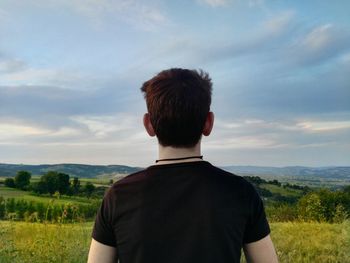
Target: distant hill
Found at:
335, 172
78, 170
90, 171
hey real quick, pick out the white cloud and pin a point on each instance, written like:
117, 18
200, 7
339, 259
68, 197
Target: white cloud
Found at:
119, 131
29, 76
107, 126
142, 15
11, 65
215, 3
254, 3
3, 15
241, 142
17, 131
319, 38
279, 23
17, 73
323, 126
65, 132
262, 135
318, 45
11, 130
245, 134
345, 58
222, 3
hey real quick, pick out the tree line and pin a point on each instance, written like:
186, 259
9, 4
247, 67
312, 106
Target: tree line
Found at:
322, 205
52, 182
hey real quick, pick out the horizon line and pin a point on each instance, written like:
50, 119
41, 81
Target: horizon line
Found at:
228, 165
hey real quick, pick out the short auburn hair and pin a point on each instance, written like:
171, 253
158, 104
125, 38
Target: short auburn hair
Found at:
178, 101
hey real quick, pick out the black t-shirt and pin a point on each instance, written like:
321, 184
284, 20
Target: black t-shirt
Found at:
179, 213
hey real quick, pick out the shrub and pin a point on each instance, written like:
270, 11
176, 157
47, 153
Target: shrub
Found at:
23, 209
10, 182
22, 179
324, 205
31, 217
310, 208
10, 205
282, 212
2, 207
12, 216
89, 189
340, 214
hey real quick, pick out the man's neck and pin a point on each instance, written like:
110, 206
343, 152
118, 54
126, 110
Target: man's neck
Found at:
168, 152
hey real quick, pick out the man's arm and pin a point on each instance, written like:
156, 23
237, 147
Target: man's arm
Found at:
100, 253
261, 251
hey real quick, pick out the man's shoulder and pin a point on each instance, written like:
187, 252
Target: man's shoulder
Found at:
207, 168
131, 178
237, 179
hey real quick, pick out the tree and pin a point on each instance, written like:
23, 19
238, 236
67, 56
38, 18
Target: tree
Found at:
22, 179
62, 183
275, 182
89, 189
76, 185
53, 181
347, 189
2, 207
50, 180
9, 182
40, 187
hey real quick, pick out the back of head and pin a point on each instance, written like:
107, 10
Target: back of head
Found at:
178, 101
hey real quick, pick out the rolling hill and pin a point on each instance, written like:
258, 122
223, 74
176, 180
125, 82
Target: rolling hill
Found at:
78, 170
91, 171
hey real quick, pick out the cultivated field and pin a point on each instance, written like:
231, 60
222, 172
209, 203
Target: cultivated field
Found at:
296, 242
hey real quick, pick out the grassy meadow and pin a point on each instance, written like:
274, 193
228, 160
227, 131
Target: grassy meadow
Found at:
283, 191
8, 192
48, 240
37, 242
295, 242
312, 242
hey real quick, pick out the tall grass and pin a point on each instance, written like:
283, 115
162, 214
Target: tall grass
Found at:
312, 242
22, 242
295, 242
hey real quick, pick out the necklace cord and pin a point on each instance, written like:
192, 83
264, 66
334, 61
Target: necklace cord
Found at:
181, 158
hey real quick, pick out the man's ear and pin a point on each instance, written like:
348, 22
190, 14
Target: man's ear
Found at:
148, 125
209, 123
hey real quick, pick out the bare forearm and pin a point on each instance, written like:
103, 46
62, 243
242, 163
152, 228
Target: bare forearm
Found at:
261, 251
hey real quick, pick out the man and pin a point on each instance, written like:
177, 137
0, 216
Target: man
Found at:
182, 209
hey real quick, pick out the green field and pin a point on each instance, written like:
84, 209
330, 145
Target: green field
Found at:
95, 181
32, 179
283, 191
8, 192
101, 181
311, 181
295, 242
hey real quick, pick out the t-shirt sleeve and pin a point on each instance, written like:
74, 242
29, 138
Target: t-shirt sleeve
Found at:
257, 226
103, 229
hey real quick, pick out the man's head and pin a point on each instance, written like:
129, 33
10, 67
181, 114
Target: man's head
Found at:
178, 103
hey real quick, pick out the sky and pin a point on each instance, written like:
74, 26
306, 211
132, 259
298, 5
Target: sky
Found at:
71, 72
